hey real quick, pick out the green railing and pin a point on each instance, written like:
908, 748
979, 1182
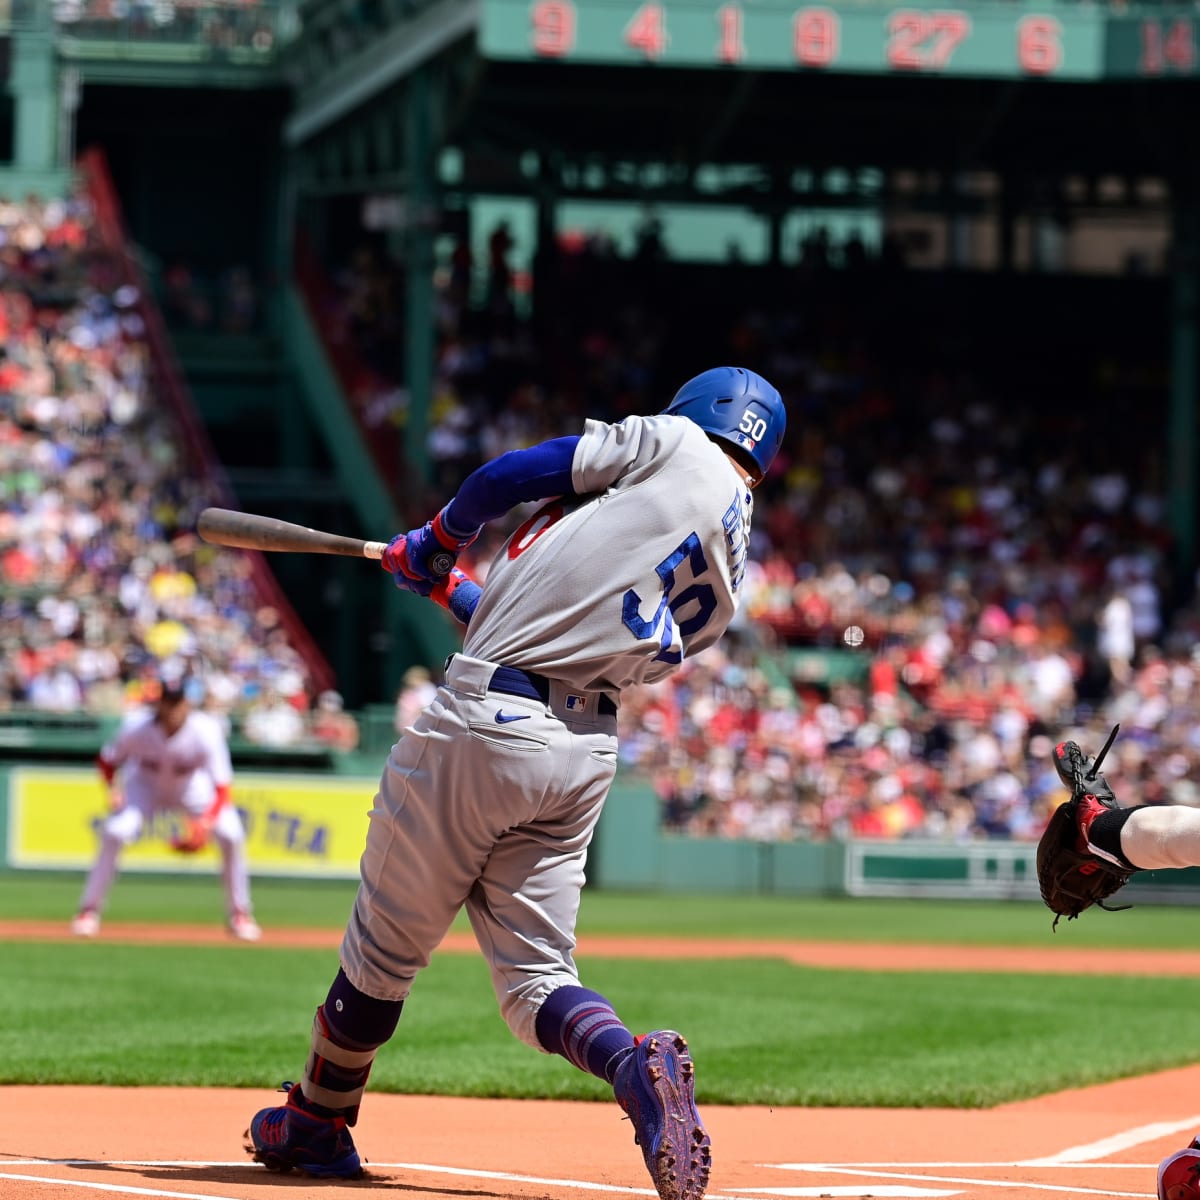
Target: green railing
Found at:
223, 30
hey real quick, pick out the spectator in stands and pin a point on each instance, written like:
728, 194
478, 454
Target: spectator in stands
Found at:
271, 720
331, 725
417, 689
1115, 637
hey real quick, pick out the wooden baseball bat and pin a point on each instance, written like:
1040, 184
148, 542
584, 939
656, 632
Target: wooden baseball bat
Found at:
250, 531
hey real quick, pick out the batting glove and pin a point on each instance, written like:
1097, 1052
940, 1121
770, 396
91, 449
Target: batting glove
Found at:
395, 562
458, 594
434, 548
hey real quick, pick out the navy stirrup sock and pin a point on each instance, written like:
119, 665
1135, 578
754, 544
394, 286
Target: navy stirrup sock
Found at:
581, 1026
347, 1030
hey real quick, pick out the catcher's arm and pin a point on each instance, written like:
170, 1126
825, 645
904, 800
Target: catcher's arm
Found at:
1072, 876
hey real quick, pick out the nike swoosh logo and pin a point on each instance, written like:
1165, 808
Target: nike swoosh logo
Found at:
504, 718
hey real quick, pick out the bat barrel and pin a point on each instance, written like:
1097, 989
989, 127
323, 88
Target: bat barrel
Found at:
251, 531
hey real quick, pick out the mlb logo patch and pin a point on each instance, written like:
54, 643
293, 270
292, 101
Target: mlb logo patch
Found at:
576, 703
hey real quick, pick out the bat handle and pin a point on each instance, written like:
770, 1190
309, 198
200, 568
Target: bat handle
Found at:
374, 549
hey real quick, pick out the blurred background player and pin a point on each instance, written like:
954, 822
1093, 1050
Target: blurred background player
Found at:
170, 757
490, 799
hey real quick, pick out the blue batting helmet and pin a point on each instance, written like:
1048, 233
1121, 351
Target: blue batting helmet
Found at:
737, 407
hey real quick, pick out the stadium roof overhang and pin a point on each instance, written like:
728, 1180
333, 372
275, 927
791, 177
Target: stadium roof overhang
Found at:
576, 96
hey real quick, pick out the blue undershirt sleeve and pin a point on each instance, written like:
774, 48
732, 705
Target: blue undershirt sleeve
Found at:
514, 478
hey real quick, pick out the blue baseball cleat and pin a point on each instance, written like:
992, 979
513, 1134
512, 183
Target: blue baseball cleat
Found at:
655, 1086
290, 1136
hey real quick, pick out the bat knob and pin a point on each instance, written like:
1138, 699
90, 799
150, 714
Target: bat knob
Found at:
441, 563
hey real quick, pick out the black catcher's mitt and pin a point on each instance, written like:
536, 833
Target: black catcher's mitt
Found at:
1071, 877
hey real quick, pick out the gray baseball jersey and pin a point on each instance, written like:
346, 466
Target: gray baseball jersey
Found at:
490, 798
615, 587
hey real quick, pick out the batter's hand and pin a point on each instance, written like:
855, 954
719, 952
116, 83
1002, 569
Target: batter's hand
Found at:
395, 561
433, 549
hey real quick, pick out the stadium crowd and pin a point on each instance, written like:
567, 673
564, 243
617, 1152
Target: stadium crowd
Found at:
103, 583
223, 26
941, 585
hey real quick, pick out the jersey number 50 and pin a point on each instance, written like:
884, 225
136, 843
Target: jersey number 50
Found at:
666, 617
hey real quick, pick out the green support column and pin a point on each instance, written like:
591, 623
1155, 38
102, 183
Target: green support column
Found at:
1184, 394
421, 212
281, 258
545, 254
33, 84
775, 219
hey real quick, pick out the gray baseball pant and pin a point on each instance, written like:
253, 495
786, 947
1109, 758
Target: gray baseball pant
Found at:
494, 814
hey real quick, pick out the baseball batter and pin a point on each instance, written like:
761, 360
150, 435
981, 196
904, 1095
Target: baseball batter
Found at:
170, 757
490, 799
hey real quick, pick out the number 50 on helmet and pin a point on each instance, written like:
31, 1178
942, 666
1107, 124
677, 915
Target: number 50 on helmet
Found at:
736, 407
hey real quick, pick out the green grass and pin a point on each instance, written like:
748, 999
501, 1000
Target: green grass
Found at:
326, 904
764, 1031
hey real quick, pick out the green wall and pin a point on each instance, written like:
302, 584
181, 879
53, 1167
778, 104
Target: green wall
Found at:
630, 853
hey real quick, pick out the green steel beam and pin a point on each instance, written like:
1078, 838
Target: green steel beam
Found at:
420, 333
419, 631
388, 61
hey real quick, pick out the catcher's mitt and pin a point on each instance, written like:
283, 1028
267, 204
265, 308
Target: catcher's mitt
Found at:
194, 837
1071, 877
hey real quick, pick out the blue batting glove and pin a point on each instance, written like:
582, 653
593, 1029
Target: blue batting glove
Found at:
433, 549
395, 562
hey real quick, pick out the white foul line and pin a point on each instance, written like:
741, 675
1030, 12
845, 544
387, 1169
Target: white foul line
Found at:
507, 1176
856, 1190
579, 1184
1000, 1183
960, 1164
1069, 1157
124, 1188
1114, 1144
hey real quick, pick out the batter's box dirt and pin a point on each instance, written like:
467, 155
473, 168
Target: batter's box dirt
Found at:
63, 1143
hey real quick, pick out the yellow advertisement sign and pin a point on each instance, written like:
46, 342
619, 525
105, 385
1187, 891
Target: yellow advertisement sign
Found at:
304, 825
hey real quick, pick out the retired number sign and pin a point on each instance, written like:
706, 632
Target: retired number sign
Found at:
1072, 42
912, 39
